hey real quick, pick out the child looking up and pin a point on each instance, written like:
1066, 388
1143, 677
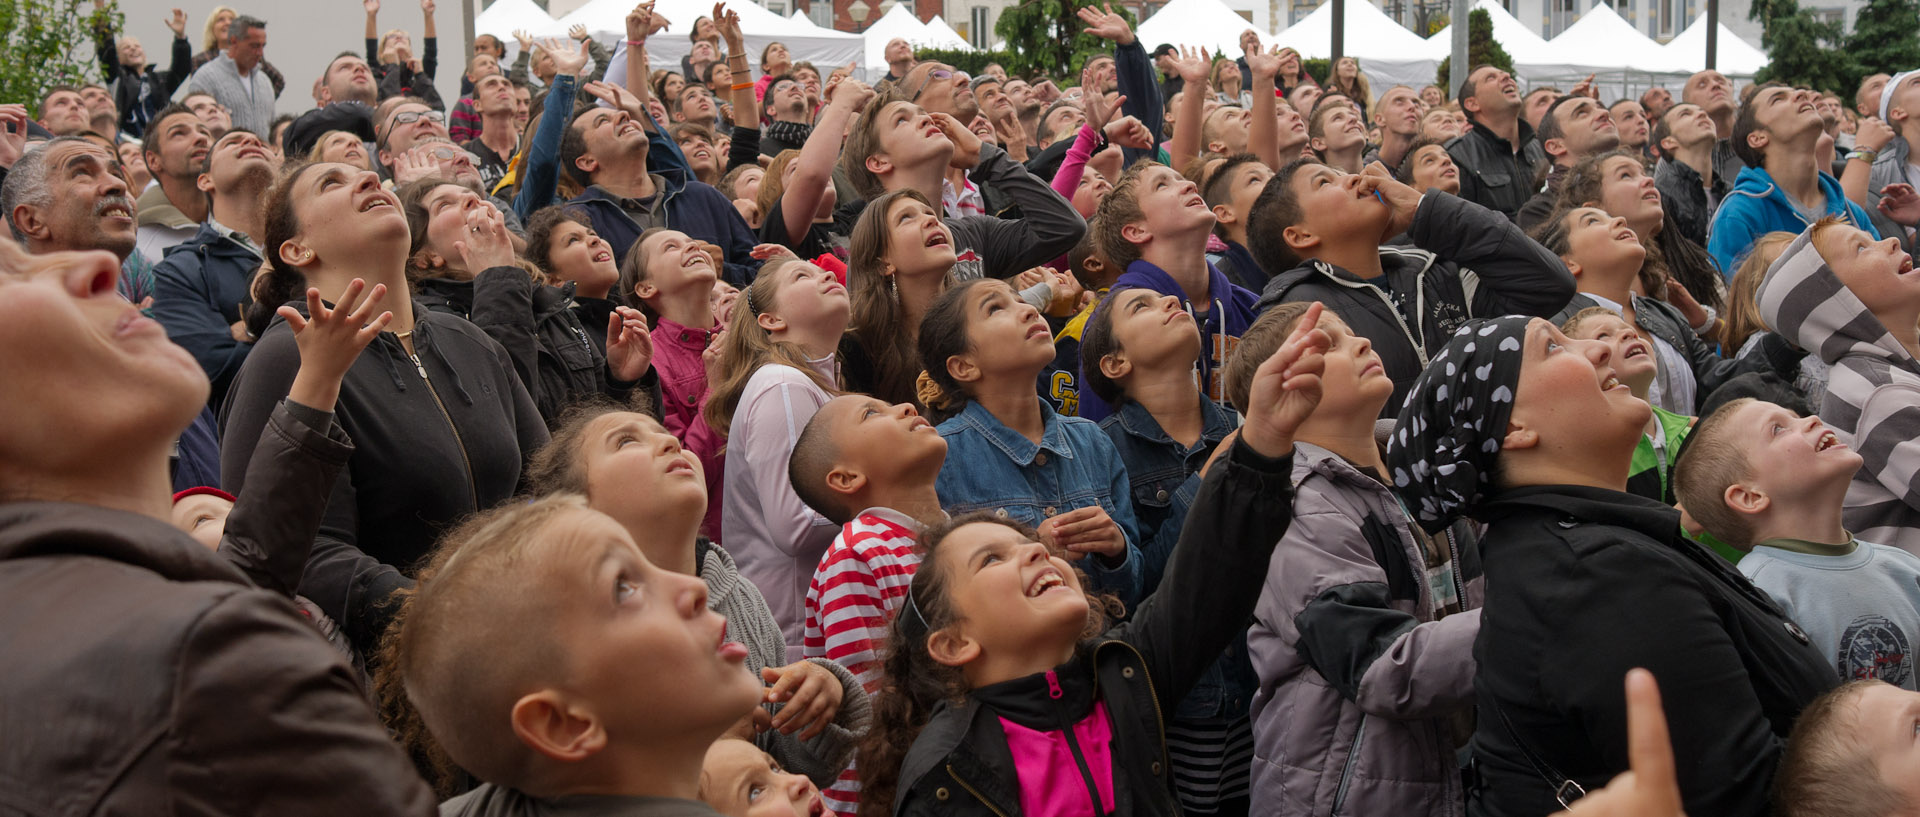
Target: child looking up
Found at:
860, 453
1319, 233
630, 468
1139, 355
1634, 364
780, 367
1855, 302
1850, 754
670, 278
1771, 484
1154, 227
1231, 190
1008, 451
902, 258
1362, 637
739, 780
1005, 688
550, 659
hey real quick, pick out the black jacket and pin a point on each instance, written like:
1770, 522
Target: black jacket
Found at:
1687, 200
139, 97
438, 436
961, 765
1540, 206
1467, 262
199, 292
553, 351
1492, 173
1586, 584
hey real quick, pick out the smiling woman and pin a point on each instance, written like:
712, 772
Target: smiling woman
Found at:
1531, 433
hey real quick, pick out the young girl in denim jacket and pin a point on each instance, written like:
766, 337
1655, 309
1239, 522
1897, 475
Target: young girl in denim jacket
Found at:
1139, 355
1008, 452
1004, 693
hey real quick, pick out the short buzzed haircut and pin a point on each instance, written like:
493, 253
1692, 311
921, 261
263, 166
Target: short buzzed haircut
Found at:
1745, 123
1550, 127
1712, 461
1277, 208
815, 454
465, 643
1824, 771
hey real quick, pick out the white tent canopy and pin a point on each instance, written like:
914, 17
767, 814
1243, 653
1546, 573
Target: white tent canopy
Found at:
943, 36
507, 16
1388, 52
1601, 38
606, 21
1205, 24
898, 22
1736, 57
1515, 37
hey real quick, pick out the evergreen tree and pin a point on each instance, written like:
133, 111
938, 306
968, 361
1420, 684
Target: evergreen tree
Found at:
1801, 49
1885, 39
1482, 49
1047, 38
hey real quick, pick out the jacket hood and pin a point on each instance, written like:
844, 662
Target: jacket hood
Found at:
41, 529
1394, 261
720, 573
1235, 301
1804, 300
1757, 182
668, 182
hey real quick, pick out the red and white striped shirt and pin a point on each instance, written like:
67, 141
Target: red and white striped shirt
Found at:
861, 582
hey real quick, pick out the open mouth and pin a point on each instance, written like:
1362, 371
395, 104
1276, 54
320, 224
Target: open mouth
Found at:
933, 130
916, 423
938, 240
601, 256
377, 200
1637, 350
698, 259
816, 807
116, 211
630, 129
1906, 264
1827, 440
1049, 579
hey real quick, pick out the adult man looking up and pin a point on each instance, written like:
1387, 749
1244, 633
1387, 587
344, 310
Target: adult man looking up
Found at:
1866, 101
1713, 92
1498, 154
1689, 189
899, 57
499, 128
1398, 116
348, 79
1655, 103
1782, 186
63, 112
1573, 128
234, 78
172, 208
1893, 162
200, 288
411, 143
1630, 120
67, 196
212, 114
792, 117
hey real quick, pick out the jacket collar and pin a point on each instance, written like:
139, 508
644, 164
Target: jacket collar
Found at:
1591, 505
685, 337
1011, 443
1525, 132
155, 208
1138, 422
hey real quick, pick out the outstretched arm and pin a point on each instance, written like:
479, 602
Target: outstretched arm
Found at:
815, 171
746, 104
1192, 67
1263, 133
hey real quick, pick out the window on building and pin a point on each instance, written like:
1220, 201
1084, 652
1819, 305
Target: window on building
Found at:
820, 13
980, 28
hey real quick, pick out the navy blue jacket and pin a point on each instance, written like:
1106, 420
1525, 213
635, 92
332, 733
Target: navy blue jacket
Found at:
694, 208
199, 291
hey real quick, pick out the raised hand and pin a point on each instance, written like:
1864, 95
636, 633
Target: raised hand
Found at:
811, 694
372, 7
640, 22
1900, 203
966, 146
1099, 111
568, 58
331, 339
1105, 24
1263, 64
1585, 88
1401, 200
1650, 787
13, 134
1683, 300
1192, 65
488, 245
1128, 132
1872, 134
629, 344
178, 22
851, 94
1286, 387
616, 96
727, 22
427, 7
578, 32
1085, 530
525, 39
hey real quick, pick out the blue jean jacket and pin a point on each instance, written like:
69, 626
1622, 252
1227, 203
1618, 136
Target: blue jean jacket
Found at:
1164, 476
991, 467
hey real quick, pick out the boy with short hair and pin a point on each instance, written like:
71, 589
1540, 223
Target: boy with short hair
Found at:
860, 453
1783, 186
1855, 302
1060, 383
1231, 190
1319, 233
1771, 483
550, 659
1851, 755
1154, 226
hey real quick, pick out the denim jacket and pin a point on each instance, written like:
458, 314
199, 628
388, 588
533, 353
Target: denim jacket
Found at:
992, 467
1165, 476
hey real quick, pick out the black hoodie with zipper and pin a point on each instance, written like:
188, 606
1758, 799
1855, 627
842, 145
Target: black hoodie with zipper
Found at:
438, 435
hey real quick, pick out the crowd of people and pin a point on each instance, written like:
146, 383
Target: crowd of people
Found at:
1183, 435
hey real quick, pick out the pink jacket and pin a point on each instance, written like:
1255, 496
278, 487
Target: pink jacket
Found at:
683, 387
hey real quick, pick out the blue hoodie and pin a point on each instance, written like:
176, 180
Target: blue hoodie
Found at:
1757, 206
1231, 312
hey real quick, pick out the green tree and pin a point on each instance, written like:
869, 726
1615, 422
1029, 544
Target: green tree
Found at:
1801, 49
48, 43
1482, 49
1884, 39
1045, 38
972, 62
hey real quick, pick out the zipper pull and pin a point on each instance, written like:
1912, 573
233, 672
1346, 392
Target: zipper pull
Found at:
419, 367
1053, 685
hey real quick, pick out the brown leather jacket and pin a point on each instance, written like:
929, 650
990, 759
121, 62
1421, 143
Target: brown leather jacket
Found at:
143, 674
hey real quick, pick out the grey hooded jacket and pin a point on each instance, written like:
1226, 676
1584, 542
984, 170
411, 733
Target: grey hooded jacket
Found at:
1873, 390
1362, 682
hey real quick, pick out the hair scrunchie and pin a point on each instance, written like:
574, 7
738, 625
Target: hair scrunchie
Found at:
1449, 432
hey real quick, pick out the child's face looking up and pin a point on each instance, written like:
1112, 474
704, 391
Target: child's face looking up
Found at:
1790, 453
1005, 333
1010, 595
637, 470
739, 780
1879, 273
203, 517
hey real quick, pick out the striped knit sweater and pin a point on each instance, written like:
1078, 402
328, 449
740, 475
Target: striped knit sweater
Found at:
861, 581
1873, 393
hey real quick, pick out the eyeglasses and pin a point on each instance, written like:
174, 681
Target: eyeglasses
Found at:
443, 152
411, 117
934, 76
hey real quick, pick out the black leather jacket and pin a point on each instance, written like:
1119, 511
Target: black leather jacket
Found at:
1493, 174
